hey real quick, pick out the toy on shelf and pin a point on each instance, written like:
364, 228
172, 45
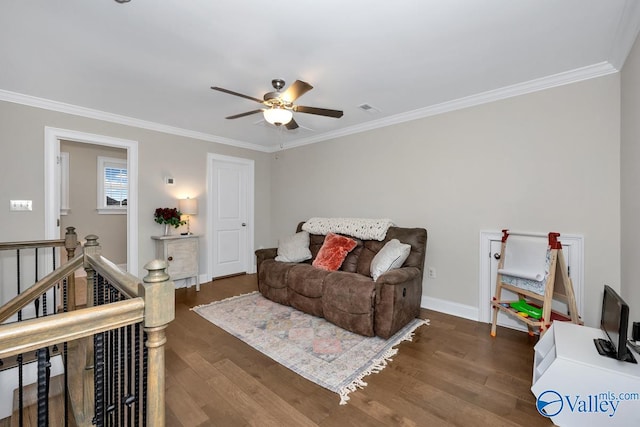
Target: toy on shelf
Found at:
521, 306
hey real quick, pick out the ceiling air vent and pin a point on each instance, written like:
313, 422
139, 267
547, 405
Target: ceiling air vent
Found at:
368, 108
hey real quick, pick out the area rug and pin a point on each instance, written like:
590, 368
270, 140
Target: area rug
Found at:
321, 352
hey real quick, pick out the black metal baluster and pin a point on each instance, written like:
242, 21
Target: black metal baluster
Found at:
55, 305
136, 375
113, 363
20, 391
65, 359
98, 378
65, 362
44, 375
98, 344
18, 281
120, 378
145, 357
129, 399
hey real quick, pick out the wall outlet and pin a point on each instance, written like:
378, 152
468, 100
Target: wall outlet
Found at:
431, 272
21, 205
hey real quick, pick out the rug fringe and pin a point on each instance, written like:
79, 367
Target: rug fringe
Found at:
378, 364
223, 300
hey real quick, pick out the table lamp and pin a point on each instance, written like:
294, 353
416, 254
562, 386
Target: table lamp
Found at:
188, 207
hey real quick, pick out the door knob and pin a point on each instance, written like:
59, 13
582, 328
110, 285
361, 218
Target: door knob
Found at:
170, 258
244, 224
496, 255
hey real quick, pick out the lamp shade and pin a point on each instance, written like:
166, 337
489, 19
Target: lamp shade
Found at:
188, 206
278, 116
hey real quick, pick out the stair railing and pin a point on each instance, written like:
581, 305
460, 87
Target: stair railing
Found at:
124, 324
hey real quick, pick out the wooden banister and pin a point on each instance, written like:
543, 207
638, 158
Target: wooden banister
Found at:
150, 301
33, 334
41, 286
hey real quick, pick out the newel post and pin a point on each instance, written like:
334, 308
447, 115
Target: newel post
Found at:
70, 244
158, 292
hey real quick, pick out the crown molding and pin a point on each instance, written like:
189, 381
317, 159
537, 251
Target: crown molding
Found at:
75, 110
560, 79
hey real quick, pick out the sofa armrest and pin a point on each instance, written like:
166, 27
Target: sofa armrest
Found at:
264, 254
398, 297
398, 276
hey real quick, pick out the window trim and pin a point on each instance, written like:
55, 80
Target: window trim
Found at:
102, 208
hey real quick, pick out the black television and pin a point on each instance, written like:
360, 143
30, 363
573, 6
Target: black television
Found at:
614, 322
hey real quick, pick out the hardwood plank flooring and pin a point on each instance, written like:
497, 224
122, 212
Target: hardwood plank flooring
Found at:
452, 374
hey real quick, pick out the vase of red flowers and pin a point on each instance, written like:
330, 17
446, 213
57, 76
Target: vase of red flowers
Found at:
170, 217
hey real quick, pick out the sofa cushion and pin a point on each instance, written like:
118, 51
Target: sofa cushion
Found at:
348, 301
392, 255
294, 248
306, 285
333, 252
272, 280
307, 280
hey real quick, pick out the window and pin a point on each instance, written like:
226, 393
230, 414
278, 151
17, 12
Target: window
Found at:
113, 185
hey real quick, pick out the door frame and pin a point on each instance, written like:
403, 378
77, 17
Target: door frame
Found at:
52, 137
249, 256
486, 288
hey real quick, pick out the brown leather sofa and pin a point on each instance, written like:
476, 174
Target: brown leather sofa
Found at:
349, 297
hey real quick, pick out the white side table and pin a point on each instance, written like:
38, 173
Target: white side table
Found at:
581, 387
182, 254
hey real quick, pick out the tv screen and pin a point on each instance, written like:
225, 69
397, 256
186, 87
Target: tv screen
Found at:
614, 321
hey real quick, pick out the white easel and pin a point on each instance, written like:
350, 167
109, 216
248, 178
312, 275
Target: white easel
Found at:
557, 286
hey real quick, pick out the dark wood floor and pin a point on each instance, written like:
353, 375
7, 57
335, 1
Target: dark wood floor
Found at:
452, 373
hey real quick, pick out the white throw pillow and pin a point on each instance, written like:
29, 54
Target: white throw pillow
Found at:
294, 248
392, 255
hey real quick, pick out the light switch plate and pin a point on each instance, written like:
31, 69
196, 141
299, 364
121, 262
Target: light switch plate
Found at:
21, 205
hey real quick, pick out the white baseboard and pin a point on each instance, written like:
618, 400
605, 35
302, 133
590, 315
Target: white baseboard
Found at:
449, 307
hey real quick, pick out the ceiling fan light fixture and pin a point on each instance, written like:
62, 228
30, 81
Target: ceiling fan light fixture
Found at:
278, 116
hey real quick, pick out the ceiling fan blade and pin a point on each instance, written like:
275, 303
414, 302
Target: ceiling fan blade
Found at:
248, 113
319, 111
296, 90
230, 92
292, 125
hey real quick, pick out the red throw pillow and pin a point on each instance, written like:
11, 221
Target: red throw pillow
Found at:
333, 252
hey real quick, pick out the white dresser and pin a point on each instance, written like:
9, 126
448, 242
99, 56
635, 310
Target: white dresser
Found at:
576, 386
182, 254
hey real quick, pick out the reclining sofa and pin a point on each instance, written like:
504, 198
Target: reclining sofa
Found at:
349, 297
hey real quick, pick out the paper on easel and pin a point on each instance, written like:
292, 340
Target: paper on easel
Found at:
525, 257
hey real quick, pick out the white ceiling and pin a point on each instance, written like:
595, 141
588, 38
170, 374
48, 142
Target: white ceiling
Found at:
150, 63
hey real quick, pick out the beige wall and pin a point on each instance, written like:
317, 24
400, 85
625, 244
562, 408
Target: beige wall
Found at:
546, 161
630, 182
543, 161
22, 142
83, 195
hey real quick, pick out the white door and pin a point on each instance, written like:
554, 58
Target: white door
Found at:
230, 190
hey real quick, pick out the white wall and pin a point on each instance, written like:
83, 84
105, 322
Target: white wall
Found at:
546, 161
630, 182
22, 143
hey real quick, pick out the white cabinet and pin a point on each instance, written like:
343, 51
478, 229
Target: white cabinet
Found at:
182, 255
576, 386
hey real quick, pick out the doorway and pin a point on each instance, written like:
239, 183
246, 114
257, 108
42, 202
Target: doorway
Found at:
52, 204
230, 214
